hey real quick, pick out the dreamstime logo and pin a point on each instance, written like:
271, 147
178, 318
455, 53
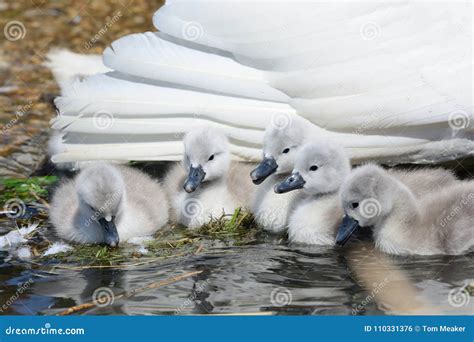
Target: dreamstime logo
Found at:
97, 213
20, 290
463, 203
14, 30
191, 208
20, 112
370, 31
370, 297
367, 124
458, 120
370, 208
47, 329
14, 208
281, 296
458, 297
103, 119
103, 30
200, 287
281, 120
192, 31
103, 296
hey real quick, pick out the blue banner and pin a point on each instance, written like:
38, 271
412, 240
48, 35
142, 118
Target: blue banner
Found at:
237, 328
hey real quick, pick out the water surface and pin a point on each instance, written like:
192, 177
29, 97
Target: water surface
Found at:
263, 276
260, 278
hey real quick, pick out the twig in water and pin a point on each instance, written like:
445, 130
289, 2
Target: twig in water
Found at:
151, 286
199, 250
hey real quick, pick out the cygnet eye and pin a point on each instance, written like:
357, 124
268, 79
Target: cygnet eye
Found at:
313, 168
354, 205
286, 150
211, 157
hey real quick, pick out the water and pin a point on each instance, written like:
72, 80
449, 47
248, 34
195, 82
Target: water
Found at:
261, 278
265, 276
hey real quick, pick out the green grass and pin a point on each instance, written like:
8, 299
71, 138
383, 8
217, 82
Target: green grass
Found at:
100, 255
238, 228
28, 190
90, 255
176, 241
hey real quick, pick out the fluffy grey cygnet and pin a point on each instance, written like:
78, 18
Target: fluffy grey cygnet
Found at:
207, 184
438, 223
108, 204
281, 145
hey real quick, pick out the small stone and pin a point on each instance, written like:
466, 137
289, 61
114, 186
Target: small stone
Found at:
8, 89
25, 159
76, 20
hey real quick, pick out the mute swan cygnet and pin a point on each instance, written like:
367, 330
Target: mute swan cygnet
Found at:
320, 170
437, 223
280, 149
108, 204
210, 184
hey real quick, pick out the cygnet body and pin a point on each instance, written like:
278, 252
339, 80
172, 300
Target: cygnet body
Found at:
107, 204
280, 149
320, 169
437, 223
207, 184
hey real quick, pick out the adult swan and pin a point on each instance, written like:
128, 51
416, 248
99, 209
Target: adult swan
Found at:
391, 81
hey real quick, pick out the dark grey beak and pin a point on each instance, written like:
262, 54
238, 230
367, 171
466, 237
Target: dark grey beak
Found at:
292, 182
110, 232
195, 177
346, 229
263, 170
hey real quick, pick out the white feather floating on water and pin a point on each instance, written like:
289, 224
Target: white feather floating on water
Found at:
23, 253
15, 240
16, 237
57, 247
140, 243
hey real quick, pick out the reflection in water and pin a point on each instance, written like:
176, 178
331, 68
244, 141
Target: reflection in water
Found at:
413, 285
76, 287
266, 277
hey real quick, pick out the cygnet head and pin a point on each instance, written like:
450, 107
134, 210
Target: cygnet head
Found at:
100, 188
367, 197
281, 143
320, 168
206, 156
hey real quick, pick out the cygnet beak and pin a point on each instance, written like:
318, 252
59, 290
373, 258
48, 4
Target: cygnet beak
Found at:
292, 182
110, 231
195, 177
263, 170
348, 226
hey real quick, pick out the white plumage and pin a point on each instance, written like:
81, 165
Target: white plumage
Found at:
67, 65
390, 81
